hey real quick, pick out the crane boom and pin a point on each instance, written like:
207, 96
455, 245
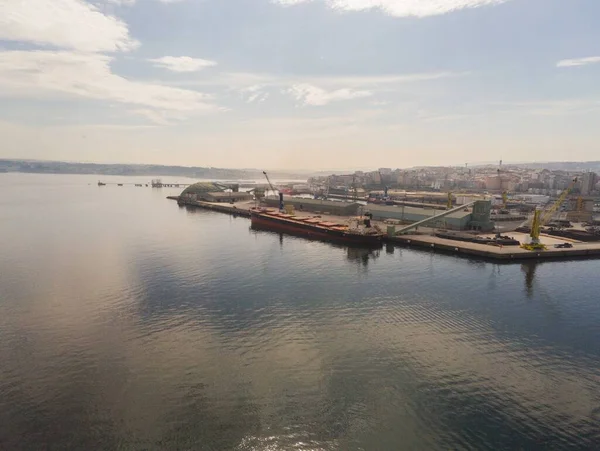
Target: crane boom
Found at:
274, 189
269, 181
547, 216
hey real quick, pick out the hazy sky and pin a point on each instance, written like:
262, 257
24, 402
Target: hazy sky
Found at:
312, 84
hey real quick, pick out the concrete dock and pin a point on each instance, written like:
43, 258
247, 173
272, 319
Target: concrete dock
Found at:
507, 253
437, 244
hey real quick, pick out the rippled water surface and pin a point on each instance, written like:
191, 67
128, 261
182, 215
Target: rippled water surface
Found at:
127, 322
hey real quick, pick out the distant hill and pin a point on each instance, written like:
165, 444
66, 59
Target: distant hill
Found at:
58, 167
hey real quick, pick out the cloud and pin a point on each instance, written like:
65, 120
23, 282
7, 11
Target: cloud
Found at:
182, 63
400, 8
254, 94
312, 90
578, 62
315, 96
60, 74
72, 24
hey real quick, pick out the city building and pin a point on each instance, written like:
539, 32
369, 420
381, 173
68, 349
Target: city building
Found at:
588, 183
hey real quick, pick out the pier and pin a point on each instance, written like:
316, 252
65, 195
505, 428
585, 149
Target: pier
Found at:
434, 243
238, 209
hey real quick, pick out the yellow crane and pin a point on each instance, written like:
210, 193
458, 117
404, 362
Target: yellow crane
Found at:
449, 205
535, 232
542, 217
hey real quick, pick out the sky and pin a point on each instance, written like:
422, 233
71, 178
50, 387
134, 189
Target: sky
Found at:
300, 84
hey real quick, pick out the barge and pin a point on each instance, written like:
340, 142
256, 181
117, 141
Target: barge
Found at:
359, 231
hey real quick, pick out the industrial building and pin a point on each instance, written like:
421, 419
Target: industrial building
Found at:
316, 205
477, 219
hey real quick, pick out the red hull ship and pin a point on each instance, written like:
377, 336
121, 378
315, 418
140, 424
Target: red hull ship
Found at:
317, 228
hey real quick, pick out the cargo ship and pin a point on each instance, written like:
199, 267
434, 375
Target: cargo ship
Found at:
359, 231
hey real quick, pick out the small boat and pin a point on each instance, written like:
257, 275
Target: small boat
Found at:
119, 184
101, 184
359, 231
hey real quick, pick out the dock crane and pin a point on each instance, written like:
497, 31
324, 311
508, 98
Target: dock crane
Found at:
542, 217
274, 189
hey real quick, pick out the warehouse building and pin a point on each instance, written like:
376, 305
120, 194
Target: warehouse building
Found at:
316, 205
456, 221
475, 218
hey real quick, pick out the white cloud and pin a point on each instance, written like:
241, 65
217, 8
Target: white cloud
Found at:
254, 88
255, 94
182, 63
401, 8
72, 24
63, 74
315, 96
578, 62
